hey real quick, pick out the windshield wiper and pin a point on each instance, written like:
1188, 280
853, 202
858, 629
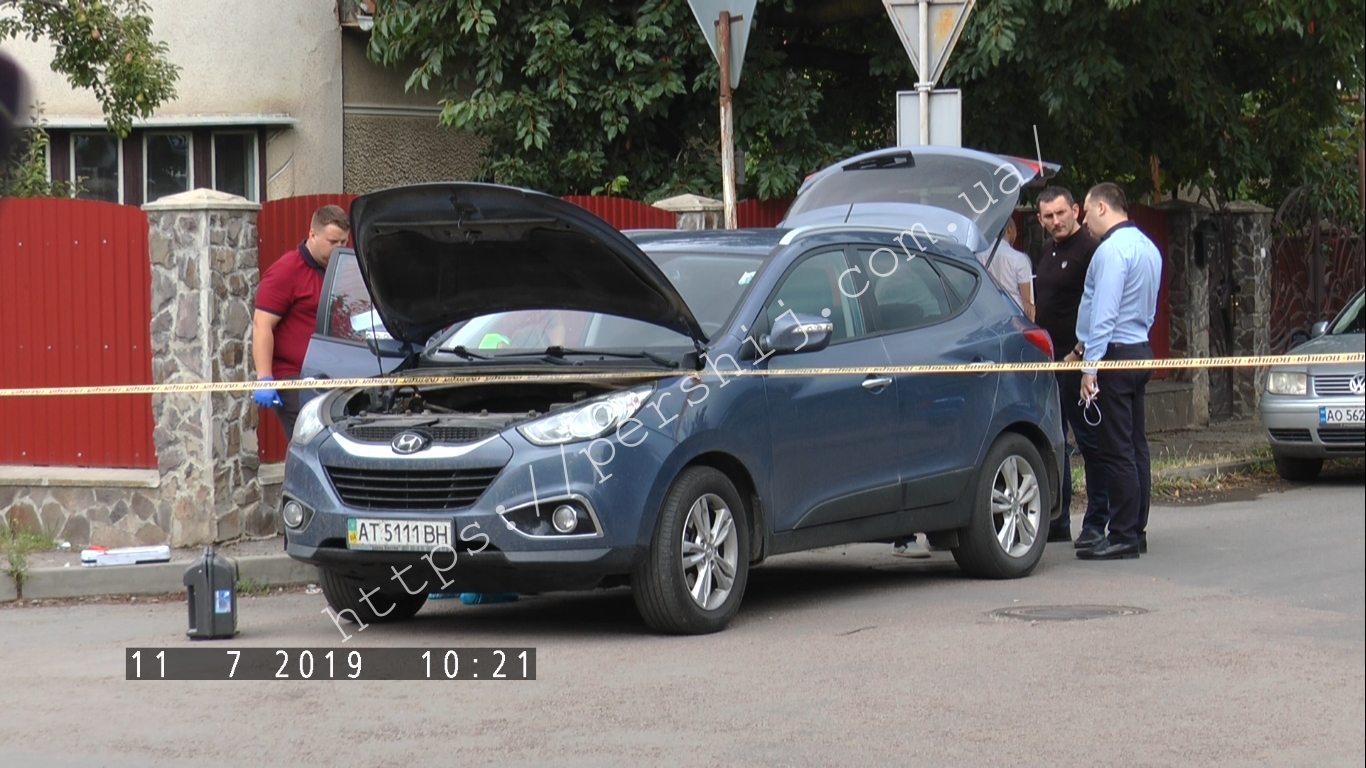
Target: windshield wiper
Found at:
465, 353
557, 355
641, 355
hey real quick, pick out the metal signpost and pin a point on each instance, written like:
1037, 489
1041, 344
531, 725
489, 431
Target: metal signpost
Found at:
929, 29
726, 25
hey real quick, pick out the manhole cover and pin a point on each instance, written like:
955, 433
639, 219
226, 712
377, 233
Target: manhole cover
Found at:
1066, 612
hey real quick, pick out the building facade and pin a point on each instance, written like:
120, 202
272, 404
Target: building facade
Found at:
274, 100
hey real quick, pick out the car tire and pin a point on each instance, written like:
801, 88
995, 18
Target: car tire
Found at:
343, 593
669, 587
1297, 469
998, 542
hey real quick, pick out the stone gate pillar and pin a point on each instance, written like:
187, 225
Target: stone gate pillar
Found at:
202, 247
1188, 254
1251, 240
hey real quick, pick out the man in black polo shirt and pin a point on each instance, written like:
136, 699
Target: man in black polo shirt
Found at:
1059, 282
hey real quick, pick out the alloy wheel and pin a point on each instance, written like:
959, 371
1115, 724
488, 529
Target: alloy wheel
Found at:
1016, 510
710, 548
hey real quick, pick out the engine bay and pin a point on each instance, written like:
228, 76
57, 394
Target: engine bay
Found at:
491, 407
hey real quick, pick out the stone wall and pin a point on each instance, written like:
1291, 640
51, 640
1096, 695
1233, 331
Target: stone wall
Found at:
202, 248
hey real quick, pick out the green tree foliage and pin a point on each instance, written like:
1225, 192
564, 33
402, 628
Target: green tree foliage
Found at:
1239, 98
574, 96
1236, 97
105, 46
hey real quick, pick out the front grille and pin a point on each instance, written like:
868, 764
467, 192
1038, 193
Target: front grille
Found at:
1337, 384
1291, 435
441, 435
1343, 436
411, 488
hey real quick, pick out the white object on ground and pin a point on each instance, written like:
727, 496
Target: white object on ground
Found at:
126, 555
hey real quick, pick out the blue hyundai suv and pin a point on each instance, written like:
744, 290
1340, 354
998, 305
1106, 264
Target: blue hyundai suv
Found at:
649, 408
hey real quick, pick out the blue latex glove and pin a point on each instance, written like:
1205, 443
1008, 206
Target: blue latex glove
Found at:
267, 398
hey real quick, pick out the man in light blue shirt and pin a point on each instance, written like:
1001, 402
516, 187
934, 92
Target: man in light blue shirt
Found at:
1116, 313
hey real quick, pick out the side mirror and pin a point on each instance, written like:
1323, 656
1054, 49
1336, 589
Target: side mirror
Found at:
383, 346
1318, 329
799, 333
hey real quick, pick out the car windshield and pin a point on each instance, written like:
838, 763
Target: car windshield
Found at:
710, 284
1351, 319
976, 190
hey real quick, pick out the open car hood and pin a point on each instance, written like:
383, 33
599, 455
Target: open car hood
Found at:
436, 254
926, 185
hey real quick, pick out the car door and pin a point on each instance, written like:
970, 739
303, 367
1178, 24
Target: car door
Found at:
925, 319
345, 317
833, 437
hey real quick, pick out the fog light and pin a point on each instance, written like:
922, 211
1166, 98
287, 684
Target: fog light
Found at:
565, 518
293, 513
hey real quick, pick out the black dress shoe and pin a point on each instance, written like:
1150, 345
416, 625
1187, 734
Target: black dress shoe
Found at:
1110, 551
1061, 534
1143, 544
1089, 539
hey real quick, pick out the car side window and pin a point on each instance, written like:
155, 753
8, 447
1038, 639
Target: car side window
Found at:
813, 289
350, 316
962, 282
904, 294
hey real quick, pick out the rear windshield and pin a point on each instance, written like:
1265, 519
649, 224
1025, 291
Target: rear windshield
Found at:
970, 187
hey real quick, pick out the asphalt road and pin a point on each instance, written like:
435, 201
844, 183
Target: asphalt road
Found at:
1252, 652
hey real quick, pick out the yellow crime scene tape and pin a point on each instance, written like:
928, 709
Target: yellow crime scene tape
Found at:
410, 380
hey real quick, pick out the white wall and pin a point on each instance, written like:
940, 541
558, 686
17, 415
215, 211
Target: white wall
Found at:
239, 57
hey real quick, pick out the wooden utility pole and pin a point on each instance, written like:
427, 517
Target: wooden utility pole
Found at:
727, 137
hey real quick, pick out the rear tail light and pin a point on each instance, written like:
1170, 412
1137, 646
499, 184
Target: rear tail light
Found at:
1040, 338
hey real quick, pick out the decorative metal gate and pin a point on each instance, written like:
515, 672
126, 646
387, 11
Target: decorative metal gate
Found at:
1317, 265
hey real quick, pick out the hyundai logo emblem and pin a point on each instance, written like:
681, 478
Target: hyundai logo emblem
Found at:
410, 442
1358, 384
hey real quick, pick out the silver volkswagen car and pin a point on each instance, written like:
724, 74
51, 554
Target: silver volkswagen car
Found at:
1316, 412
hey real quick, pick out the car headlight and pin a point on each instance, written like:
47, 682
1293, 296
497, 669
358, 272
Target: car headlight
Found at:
588, 421
310, 421
1287, 383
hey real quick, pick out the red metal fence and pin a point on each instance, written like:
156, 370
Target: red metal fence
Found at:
760, 214
76, 311
626, 214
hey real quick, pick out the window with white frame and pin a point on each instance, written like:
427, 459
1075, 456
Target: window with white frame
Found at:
167, 166
97, 163
234, 163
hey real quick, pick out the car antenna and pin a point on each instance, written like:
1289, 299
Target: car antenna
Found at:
1037, 151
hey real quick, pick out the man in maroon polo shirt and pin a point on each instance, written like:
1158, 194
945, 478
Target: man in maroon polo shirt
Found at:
287, 311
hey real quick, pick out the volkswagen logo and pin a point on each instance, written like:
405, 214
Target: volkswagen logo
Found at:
1358, 384
410, 442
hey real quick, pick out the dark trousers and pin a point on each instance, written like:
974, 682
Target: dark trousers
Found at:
1088, 442
289, 412
1124, 444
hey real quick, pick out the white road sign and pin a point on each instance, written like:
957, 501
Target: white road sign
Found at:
707, 13
946, 21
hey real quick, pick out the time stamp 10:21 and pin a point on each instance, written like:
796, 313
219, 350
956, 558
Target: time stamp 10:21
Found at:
329, 663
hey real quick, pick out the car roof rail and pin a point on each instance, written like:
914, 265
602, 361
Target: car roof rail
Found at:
821, 229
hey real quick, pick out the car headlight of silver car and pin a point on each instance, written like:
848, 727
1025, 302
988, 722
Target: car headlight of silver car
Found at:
310, 421
588, 421
1287, 383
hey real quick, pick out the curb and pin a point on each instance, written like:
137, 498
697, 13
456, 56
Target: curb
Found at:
1208, 471
7, 591
152, 578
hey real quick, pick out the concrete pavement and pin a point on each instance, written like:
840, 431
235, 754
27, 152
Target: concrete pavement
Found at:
1251, 653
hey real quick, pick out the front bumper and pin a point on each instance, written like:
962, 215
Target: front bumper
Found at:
489, 555
1293, 428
